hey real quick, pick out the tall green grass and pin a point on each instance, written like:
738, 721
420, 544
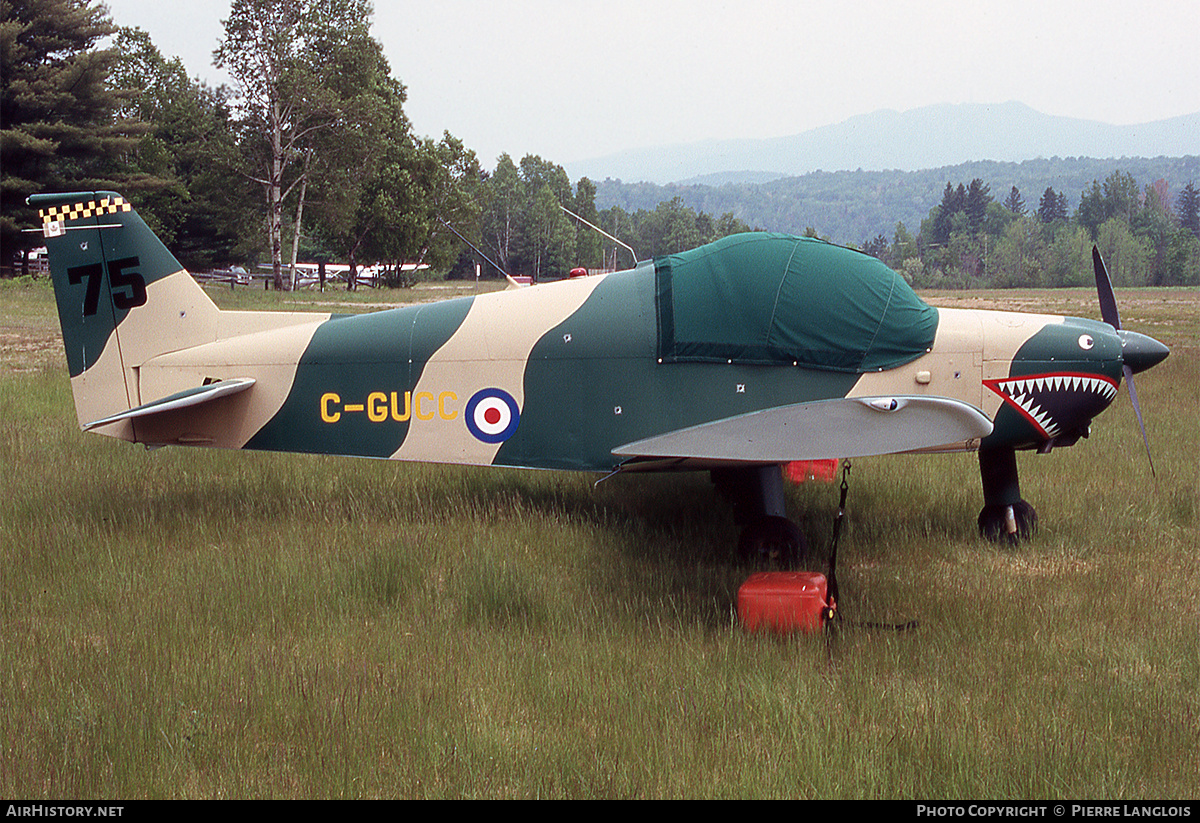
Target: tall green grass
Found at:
183, 623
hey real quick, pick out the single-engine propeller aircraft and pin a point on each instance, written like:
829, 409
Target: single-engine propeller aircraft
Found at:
735, 358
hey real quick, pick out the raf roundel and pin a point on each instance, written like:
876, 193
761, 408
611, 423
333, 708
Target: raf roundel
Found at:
492, 415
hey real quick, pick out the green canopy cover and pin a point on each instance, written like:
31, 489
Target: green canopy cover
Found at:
772, 299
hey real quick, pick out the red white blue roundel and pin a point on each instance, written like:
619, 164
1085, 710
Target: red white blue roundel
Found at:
492, 415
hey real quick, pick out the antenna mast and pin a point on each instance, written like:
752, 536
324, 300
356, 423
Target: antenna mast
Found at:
602, 231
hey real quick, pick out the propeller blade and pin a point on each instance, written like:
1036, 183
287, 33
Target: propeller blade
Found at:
1140, 352
1138, 411
1104, 289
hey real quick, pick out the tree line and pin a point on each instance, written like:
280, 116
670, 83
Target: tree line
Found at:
308, 156
971, 239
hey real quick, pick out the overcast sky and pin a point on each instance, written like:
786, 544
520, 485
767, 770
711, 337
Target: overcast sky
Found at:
571, 80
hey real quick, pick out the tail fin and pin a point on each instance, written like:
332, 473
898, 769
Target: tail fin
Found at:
122, 299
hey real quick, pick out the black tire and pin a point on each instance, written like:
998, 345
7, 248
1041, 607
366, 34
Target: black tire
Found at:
993, 522
772, 541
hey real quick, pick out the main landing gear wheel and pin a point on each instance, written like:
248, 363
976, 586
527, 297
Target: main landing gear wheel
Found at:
759, 507
774, 541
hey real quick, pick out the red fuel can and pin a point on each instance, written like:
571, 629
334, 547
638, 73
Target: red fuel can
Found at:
783, 602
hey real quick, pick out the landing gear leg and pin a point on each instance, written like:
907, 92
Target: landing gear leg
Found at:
1005, 515
759, 506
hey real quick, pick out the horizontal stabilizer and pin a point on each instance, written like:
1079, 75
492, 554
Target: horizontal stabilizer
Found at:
824, 429
179, 400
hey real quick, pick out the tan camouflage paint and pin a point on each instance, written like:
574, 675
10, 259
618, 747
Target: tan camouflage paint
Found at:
490, 348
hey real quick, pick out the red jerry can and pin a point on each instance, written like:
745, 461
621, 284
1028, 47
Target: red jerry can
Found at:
801, 471
783, 602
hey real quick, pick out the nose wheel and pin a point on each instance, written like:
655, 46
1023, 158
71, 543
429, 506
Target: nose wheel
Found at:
1010, 523
1005, 515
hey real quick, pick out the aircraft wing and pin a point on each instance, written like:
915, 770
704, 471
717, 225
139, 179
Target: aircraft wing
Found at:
823, 429
180, 400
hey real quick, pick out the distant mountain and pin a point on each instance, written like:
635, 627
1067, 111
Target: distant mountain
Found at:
855, 206
923, 138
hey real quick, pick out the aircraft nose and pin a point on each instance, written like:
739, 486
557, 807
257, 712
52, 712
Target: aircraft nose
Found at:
1141, 351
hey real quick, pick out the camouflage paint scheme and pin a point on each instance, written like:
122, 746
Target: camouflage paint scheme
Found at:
564, 375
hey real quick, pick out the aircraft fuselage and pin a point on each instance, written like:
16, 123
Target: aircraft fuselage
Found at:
569, 371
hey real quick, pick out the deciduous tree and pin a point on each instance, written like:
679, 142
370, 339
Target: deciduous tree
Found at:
188, 188
276, 52
589, 243
501, 221
344, 164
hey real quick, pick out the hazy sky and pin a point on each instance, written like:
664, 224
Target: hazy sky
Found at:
572, 80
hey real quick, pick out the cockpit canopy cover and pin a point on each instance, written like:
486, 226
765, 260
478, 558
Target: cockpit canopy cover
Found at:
773, 299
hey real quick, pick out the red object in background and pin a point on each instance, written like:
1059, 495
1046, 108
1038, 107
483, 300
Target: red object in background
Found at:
801, 471
579, 272
783, 602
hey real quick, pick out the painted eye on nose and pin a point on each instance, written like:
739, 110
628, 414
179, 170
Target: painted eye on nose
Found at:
1086, 342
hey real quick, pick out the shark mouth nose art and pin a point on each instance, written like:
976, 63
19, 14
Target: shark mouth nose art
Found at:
1051, 401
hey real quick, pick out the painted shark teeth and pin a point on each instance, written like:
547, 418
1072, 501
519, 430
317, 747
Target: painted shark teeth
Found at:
1045, 400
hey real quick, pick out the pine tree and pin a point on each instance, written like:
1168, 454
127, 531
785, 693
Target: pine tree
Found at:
1015, 202
877, 247
1052, 206
953, 202
976, 203
1189, 208
58, 125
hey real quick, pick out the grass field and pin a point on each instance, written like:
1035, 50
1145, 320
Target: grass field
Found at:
194, 624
